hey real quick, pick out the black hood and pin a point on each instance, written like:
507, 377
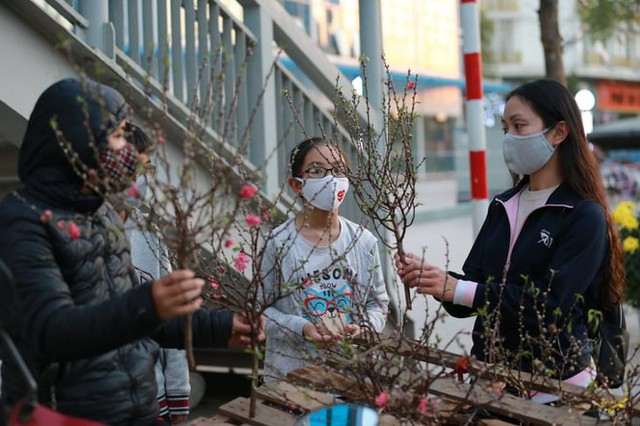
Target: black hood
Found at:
84, 112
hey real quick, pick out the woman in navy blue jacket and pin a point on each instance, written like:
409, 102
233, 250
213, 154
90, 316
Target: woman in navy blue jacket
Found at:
547, 251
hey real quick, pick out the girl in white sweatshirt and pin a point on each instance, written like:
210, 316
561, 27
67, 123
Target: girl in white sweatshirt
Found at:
322, 272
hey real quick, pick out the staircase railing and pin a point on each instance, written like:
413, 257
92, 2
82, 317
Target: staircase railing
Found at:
219, 59
213, 62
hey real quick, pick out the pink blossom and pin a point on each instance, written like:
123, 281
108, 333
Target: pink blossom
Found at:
423, 406
252, 220
498, 388
241, 261
46, 216
60, 224
133, 191
247, 191
411, 85
73, 230
382, 399
228, 243
160, 139
266, 215
214, 285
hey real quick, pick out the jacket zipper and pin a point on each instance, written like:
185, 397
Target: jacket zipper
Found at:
119, 351
512, 246
515, 237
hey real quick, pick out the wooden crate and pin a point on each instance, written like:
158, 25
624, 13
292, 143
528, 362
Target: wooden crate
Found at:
279, 403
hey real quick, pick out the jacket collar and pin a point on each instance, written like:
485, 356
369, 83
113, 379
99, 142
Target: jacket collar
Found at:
564, 195
71, 200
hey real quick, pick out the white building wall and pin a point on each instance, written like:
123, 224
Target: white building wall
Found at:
29, 66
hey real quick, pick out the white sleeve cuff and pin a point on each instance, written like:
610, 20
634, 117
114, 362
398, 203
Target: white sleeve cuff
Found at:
465, 293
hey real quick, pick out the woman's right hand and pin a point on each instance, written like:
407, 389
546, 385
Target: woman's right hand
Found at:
241, 332
427, 278
176, 294
403, 263
317, 334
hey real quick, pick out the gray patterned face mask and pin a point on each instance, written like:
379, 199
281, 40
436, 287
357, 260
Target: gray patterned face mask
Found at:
525, 155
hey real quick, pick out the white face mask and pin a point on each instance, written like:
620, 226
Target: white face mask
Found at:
525, 155
325, 193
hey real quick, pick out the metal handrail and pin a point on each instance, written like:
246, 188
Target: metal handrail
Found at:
69, 13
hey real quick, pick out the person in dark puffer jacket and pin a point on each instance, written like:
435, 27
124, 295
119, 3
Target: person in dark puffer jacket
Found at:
89, 336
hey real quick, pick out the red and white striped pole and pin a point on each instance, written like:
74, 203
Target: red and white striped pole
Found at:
470, 24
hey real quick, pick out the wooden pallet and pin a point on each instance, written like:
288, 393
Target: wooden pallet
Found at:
497, 372
313, 387
281, 403
450, 390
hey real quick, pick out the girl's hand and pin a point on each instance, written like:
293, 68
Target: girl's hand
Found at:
317, 334
352, 330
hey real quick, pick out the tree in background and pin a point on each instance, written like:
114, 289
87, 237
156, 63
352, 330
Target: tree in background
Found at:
486, 36
606, 18
551, 40
602, 19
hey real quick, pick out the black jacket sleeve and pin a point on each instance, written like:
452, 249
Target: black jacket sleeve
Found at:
78, 332
211, 329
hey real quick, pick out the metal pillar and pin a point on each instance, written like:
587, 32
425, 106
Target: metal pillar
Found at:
475, 113
100, 34
264, 132
371, 50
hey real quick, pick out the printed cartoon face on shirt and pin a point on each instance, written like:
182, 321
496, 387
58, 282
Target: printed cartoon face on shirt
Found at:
328, 298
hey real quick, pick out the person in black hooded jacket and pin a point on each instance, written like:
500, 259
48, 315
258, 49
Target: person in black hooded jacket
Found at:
89, 335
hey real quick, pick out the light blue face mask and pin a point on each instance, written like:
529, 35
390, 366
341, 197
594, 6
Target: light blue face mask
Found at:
525, 155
